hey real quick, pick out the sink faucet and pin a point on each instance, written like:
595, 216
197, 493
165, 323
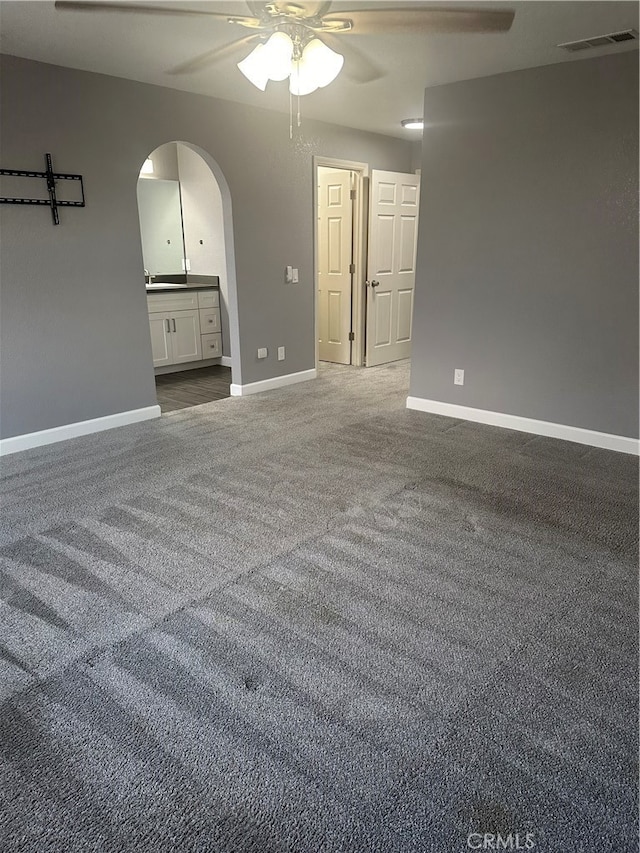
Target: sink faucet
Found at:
147, 276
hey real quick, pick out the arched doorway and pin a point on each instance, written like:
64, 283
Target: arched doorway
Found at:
187, 240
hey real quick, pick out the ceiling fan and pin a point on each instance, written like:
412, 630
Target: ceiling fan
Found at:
303, 41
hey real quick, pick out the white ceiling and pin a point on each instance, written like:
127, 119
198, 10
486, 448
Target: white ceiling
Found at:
141, 47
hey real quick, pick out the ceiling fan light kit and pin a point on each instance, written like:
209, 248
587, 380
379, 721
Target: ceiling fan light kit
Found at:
308, 66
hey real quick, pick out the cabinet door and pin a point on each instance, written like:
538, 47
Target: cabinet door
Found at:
161, 339
185, 332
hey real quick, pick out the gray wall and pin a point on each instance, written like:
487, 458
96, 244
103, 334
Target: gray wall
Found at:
74, 332
528, 245
416, 154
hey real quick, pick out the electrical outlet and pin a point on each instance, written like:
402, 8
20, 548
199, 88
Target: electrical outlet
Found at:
294, 275
263, 352
458, 376
280, 353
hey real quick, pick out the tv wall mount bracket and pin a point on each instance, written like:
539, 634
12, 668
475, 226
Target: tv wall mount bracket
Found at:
51, 177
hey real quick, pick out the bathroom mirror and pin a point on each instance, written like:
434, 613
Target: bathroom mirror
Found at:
160, 214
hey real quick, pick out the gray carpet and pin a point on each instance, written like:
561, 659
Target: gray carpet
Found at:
312, 620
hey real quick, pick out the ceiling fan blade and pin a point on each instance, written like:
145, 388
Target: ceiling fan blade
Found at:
447, 19
357, 66
149, 9
213, 56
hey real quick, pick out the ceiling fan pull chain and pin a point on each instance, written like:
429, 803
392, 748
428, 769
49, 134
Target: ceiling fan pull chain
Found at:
290, 115
299, 110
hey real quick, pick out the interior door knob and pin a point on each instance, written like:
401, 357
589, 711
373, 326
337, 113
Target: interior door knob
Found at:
375, 283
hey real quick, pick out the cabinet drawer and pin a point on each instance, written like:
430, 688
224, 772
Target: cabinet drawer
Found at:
209, 320
208, 299
172, 301
211, 346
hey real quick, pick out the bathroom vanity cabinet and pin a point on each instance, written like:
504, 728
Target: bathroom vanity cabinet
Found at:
185, 325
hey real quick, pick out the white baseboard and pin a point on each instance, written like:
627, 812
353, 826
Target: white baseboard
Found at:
567, 433
225, 360
275, 382
62, 433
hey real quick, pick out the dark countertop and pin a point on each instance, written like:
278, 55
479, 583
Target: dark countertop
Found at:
180, 288
187, 282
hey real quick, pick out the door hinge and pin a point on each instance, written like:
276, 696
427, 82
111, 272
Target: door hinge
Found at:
352, 336
352, 268
352, 194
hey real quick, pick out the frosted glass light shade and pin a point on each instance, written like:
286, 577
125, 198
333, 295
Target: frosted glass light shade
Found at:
302, 80
270, 61
254, 67
277, 56
321, 62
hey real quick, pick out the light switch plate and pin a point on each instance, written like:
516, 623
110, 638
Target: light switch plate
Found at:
262, 352
280, 353
458, 376
294, 276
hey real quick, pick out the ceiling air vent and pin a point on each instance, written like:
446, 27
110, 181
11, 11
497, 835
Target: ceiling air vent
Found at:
600, 41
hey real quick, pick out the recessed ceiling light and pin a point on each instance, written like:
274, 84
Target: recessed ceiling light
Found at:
413, 123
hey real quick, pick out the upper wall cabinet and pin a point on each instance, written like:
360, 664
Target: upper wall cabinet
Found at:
161, 226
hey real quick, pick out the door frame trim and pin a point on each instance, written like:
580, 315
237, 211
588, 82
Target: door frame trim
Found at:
361, 171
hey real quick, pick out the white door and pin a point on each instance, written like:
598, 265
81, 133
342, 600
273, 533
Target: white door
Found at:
393, 234
335, 270
185, 333
160, 326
